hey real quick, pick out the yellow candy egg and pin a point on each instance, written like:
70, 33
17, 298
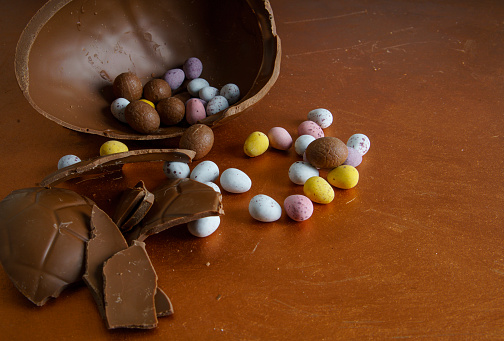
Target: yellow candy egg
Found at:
112, 147
148, 102
256, 144
318, 190
344, 177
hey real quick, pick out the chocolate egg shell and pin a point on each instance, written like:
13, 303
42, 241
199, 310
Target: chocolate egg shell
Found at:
171, 110
326, 152
43, 232
199, 138
142, 117
67, 56
127, 85
156, 89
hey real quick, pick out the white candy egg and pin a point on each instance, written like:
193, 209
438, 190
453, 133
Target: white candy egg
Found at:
301, 171
117, 107
235, 181
213, 185
231, 92
204, 227
68, 160
302, 142
208, 92
322, 117
194, 86
205, 171
360, 142
264, 208
176, 170
216, 104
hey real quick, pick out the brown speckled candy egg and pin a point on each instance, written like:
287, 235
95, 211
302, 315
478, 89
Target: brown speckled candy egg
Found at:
171, 110
199, 138
156, 89
127, 85
326, 152
142, 117
43, 235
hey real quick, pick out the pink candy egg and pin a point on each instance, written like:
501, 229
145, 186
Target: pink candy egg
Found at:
195, 110
298, 207
310, 128
279, 138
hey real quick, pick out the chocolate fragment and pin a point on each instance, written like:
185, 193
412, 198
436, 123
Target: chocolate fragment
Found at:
42, 240
106, 240
108, 163
129, 289
133, 206
177, 201
164, 306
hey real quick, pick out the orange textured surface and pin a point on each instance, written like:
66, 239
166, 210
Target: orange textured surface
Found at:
414, 251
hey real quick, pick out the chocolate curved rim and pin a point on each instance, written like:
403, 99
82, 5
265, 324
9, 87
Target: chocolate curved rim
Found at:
266, 77
101, 164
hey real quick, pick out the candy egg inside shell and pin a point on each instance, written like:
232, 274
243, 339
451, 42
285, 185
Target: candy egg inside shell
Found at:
171, 110
65, 57
264, 208
298, 207
142, 117
156, 89
127, 85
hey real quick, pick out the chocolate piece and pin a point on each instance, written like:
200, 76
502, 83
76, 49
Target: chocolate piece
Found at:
107, 163
164, 306
42, 240
106, 240
129, 289
65, 57
177, 201
199, 138
127, 85
156, 89
142, 117
133, 206
171, 110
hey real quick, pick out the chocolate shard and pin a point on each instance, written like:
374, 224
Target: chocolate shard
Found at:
133, 206
164, 306
113, 162
130, 285
177, 201
106, 240
43, 232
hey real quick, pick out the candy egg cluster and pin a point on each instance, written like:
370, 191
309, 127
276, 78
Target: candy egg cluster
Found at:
319, 152
165, 102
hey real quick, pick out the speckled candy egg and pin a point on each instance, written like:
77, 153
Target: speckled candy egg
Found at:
193, 67
310, 128
322, 117
176, 170
344, 177
354, 158
213, 185
298, 207
231, 92
279, 138
113, 147
234, 180
216, 104
198, 137
204, 227
194, 86
256, 144
195, 110
301, 171
302, 143
208, 92
68, 160
205, 171
326, 152
175, 78
117, 108
264, 208
318, 190
360, 142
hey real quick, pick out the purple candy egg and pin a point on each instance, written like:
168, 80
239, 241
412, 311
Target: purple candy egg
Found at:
175, 78
193, 68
